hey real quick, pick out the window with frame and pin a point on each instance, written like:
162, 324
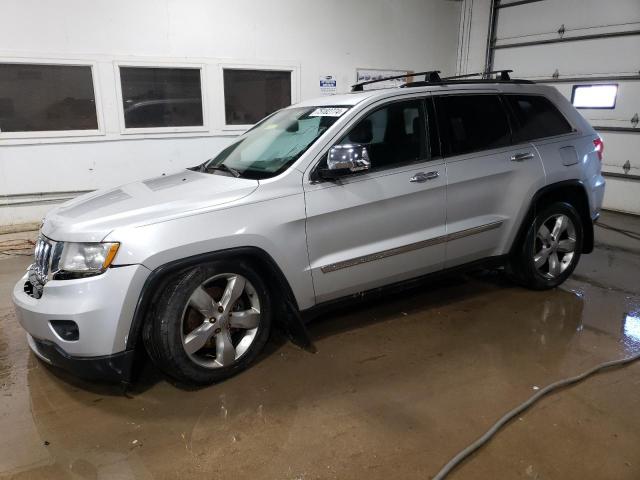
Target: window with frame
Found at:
535, 117
393, 134
251, 95
157, 97
471, 123
46, 98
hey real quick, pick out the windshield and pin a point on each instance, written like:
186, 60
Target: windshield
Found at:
275, 144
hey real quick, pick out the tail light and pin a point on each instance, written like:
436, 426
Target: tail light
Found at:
599, 146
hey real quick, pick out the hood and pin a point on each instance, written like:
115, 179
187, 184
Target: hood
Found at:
91, 217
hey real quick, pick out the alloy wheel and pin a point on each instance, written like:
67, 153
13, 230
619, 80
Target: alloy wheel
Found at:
220, 320
555, 245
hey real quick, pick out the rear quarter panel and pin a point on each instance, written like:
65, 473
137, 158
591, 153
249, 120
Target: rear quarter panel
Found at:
556, 152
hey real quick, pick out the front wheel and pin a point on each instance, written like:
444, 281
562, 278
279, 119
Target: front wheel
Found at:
551, 248
209, 322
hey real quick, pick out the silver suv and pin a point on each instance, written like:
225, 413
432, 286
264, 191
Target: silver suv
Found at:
323, 201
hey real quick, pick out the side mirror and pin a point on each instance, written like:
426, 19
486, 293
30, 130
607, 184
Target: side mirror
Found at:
346, 159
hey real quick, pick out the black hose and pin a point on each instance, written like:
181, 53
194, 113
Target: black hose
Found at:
455, 461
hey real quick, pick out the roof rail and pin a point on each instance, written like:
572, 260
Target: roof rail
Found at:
430, 76
504, 75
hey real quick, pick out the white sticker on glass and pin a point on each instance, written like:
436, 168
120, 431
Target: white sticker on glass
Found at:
328, 112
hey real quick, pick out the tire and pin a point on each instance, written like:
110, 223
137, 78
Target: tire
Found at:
545, 260
203, 327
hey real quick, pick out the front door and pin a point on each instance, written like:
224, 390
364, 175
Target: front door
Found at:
384, 225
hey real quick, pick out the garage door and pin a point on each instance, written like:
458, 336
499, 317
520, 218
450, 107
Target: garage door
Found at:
570, 43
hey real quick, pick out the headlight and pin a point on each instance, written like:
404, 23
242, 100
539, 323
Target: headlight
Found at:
77, 260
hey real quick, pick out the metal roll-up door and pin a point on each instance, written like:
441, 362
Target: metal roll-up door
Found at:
582, 42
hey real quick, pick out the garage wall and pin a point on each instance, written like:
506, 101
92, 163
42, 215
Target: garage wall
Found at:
309, 38
541, 40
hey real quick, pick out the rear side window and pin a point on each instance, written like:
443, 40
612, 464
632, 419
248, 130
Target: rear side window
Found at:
535, 117
469, 123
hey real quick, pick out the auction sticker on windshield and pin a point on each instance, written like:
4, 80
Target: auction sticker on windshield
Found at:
328, 112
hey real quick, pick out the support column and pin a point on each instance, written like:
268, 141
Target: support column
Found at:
475, 18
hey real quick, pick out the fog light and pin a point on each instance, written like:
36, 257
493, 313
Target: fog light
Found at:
66, 329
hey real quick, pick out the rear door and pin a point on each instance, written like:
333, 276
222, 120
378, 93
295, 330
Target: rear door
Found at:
384, 225
490, 179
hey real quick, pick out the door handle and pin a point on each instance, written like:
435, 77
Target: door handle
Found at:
519, 157
422, 177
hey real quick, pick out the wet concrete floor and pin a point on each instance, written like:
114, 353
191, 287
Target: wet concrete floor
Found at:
396, 388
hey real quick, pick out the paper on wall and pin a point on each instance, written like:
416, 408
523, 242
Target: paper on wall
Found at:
328, 84
367, 74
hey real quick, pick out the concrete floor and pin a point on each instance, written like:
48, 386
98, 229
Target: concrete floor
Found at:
396, 389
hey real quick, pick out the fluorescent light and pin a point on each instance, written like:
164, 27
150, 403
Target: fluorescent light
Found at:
594, 96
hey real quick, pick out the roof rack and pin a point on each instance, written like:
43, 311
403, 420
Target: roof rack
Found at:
501, 76
504, 75
430, 76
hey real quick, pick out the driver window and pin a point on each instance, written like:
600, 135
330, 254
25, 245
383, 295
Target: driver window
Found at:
393, 134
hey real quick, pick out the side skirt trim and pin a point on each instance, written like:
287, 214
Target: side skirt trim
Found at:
410, 247
361, 297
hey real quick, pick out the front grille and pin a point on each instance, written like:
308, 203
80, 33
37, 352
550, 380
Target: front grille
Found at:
39, 269
42, 260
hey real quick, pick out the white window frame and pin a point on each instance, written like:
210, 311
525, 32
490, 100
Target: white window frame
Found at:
62, 133
161, 130
294, 70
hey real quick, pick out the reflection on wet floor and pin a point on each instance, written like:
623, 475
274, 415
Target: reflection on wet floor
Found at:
631, 328
396, 388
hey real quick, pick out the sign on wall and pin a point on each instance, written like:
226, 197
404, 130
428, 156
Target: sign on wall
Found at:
367, 74
328, 84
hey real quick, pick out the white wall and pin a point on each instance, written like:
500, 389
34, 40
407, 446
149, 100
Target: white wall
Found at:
312, 38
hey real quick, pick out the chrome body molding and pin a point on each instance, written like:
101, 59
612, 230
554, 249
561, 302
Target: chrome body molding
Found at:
410, 247
474, 230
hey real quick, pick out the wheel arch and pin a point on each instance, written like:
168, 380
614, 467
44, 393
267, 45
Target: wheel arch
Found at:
287, 311
572, 192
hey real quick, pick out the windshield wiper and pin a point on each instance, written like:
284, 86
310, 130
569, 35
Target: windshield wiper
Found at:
224, 168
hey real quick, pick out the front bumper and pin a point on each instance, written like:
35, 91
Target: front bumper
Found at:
109, 368
101, 306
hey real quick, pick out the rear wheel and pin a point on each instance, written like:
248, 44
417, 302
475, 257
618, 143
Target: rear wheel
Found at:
209, 323
551, 248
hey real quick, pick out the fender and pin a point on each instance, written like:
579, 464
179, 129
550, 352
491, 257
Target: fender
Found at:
560, 191
288, 315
